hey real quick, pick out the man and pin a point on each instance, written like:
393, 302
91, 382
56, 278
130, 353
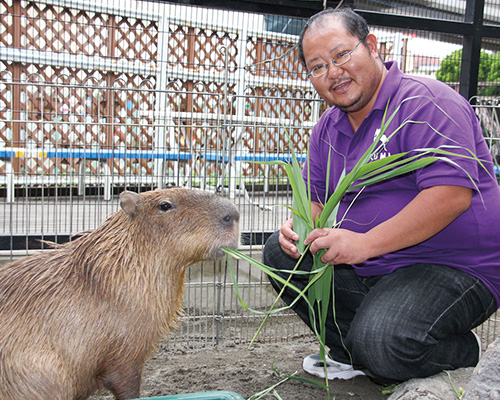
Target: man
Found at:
416, 258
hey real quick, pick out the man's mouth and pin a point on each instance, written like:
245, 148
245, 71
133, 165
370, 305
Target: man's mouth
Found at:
341, 86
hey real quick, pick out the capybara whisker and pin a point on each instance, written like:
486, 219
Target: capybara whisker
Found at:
89, 313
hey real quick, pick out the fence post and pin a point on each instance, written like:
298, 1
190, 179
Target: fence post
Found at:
471, 52
162, 108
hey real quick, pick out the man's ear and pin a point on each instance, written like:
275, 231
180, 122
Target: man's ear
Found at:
371, 42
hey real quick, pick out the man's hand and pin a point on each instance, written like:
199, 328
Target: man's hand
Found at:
287, 239
343, 246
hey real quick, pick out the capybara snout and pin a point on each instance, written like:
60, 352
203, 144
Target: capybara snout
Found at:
90, 312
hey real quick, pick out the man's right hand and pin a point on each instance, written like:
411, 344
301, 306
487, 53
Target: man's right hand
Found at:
287, 239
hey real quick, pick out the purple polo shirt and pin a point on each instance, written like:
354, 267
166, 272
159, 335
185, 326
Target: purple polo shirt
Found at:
471, 243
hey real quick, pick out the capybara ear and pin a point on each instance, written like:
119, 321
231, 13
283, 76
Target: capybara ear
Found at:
129, 202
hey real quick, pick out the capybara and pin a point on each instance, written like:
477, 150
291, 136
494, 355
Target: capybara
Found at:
89, 313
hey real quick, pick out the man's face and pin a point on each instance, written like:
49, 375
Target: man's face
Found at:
353, 86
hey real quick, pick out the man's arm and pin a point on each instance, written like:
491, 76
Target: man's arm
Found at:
427, 214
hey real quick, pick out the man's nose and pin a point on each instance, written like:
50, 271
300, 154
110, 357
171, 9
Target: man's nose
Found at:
333, 71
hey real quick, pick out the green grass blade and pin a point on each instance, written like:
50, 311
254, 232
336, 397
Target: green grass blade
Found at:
301, 294
402, 170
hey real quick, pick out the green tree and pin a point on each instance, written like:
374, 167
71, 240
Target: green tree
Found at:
489, 70
494, 71
449, 70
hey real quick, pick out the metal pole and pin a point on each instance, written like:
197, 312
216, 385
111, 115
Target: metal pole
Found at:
471, 53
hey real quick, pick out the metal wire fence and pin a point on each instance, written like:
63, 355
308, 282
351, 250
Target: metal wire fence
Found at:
58, 189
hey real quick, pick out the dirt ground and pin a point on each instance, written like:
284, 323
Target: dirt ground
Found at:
246, 372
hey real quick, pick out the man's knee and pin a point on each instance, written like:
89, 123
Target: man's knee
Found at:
273, 256
386, 351
271, 248
374, 349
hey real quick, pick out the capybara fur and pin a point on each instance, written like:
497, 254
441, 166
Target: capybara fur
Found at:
90, 312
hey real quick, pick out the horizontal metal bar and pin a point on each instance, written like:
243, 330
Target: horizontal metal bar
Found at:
102, 7
70, 60
106, 154
101, 154
460, 28
417, 23
291, 8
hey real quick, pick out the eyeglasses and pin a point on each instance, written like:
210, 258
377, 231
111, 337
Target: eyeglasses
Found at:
340, 59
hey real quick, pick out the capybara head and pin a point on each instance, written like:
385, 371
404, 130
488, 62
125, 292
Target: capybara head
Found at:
193, 223
90, 312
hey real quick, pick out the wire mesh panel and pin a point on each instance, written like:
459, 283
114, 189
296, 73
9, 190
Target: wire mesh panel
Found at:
488, 112
95, 99
213, 313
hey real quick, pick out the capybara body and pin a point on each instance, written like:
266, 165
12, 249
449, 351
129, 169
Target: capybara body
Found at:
90, 312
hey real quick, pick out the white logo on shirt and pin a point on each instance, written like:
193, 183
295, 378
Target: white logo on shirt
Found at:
382, 153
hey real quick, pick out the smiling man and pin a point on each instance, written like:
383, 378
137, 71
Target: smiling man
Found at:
416, 258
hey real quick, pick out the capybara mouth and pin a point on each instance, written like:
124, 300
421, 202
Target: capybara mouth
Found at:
228, 240
233, 243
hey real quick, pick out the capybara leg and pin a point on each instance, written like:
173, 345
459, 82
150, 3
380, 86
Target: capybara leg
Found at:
124, 382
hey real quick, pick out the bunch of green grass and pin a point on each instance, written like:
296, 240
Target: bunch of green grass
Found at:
318, 293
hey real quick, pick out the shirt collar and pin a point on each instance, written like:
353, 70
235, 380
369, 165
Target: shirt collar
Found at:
389, 86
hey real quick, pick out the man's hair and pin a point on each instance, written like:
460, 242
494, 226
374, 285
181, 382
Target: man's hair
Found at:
354, 23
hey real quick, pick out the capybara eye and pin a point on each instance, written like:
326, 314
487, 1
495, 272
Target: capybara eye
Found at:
165, 206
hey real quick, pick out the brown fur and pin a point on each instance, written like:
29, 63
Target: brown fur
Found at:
90, 312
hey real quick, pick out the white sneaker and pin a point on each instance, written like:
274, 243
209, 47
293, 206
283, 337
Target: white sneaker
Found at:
478, 342
335, 370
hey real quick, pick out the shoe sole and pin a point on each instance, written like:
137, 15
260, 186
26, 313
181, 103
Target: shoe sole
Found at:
346, 375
